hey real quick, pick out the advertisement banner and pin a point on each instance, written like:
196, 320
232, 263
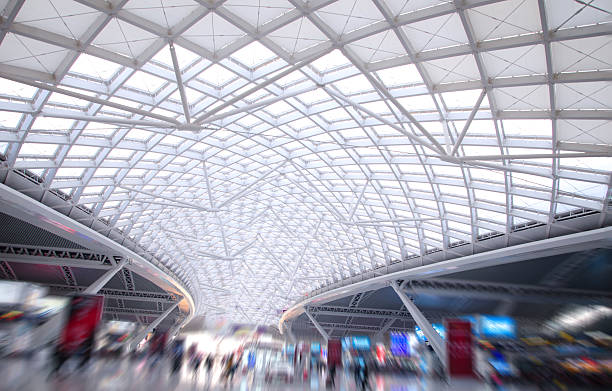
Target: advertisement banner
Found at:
459, 347
400, 346
85, 314
334, 352
497, 326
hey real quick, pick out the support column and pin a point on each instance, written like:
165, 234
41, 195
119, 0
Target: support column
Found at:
105, 278
289, 332
435, 340
152, 326
317, 325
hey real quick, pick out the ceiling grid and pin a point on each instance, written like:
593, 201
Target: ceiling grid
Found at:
263, 150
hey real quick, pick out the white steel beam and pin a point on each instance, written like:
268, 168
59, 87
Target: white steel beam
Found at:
105, 278
139, 337
469, 121
435, 340
179, 81
317, 325
89, 98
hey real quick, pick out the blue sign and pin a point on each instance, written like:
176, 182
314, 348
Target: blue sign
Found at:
361, 343
439, 329
419, 334
315, 348
497, 326
436, 326
399, 344
346, 343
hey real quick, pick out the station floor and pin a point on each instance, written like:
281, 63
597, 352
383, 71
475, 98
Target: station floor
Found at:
138, 375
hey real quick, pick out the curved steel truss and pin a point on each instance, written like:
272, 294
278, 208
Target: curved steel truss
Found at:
268, 148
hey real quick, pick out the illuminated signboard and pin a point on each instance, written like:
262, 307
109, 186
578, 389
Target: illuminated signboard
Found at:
436, 326
400, 346
361, 343
315, 348
497, 326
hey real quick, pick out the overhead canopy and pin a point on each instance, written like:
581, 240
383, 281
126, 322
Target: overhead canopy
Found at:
263, 149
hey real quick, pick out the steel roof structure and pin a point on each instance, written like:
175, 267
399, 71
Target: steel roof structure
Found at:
262, 150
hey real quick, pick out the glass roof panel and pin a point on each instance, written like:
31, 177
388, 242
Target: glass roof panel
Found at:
272, 171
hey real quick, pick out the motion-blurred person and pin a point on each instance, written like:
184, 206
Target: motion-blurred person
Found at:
331, 376
195, 362
363, 375
177, 355
209, 364
227, 373
157, 347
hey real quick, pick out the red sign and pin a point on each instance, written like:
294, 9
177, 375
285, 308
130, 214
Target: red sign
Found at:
334, 353
380, 353
85, 313
459, 347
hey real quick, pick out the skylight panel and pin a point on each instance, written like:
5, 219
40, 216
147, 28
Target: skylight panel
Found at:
50, 123
139, 135
38, 150
353, 85
136, 173
185, 57
105, 172
98, 129
418, 103
291, 78
120, 153
94, 67
153, 156
9, 87
216, 75
172, 140
464, 99
331, 61
93, 190
491, 196
401, 75
313, 97
594, 190
125, 102
82, 151
67, 100
167, 113
459, 191
528, 127
145, 82
335, 115
530, 204
254, 54
526, 180
477, 127
279, 108
486, 214
9, 119
191, 95
594, 163
248, 121
69, 172
487, 175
